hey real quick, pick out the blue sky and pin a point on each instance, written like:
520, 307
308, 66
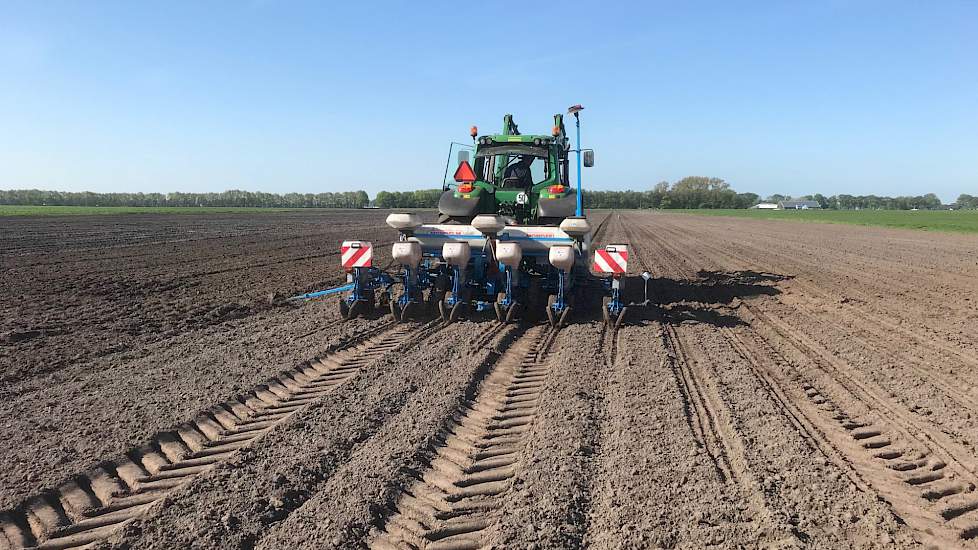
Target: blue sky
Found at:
788, 97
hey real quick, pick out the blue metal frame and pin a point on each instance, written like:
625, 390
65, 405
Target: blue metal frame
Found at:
615, 305
580, 200
361, 281
320, 293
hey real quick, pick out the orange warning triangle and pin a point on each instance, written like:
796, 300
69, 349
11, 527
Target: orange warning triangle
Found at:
464, 174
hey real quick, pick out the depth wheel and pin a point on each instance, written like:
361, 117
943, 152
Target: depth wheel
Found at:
395, 311
344, 308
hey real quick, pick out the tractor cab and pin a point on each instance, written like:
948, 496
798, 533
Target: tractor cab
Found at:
524, 178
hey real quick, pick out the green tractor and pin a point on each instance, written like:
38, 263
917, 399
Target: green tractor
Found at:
511, 237
524, 178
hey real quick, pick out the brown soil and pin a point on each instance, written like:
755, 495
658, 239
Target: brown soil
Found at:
787, 385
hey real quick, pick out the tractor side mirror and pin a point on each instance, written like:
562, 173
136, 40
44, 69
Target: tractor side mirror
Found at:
588, 157
463, 156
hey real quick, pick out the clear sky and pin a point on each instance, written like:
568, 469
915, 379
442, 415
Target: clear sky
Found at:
789, 97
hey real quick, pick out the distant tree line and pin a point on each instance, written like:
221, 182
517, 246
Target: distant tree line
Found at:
423, 198
690, 192
929, 201
234, 197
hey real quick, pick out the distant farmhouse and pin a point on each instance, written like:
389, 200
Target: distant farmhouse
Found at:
787, 205
797, 205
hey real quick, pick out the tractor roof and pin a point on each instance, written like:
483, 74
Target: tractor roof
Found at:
523, 138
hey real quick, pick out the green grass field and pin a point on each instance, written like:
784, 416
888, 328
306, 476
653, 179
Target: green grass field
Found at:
959, 221
6, 210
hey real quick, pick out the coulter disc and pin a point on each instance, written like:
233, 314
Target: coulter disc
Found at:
456, 311
501, 312
513, 312
621, 317
564, 317
551, 315
357, 308
409, 310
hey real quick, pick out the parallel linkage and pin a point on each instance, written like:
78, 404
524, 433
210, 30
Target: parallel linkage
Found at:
95, 504
451, 502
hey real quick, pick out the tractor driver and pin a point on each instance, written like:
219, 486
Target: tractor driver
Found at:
521, 171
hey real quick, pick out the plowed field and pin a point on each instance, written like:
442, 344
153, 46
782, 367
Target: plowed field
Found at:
785, 385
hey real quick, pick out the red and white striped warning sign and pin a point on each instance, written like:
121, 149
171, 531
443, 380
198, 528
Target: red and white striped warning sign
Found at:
611, 259
356, 254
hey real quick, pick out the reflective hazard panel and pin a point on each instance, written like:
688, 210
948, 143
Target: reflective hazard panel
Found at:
611, 259
356, 254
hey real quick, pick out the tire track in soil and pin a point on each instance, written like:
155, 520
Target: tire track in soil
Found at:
880, 328
708, 416
956, 389
452, 501
927, 478
872, 320
95, 504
